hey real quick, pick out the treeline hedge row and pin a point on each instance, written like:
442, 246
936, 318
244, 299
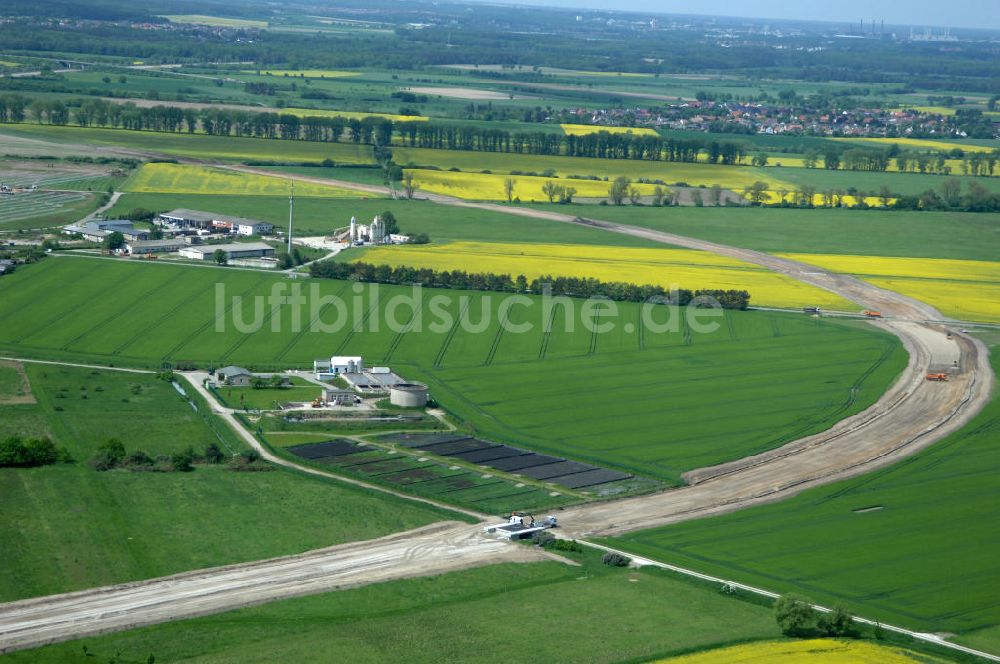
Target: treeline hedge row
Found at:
580, 287
376, 131
379, 132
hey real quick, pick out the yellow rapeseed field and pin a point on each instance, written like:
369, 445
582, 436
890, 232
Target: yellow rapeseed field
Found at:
583, 130
490, 186
307, 73
812, 651
694, 174
968, 290
798, 162
358, 115
937, 110
920, 143
666, 267
185, 179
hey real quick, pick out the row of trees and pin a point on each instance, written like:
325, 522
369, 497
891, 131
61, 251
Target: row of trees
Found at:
949, 196
18, 452
582, 287
379, 132
600, 144
111, 455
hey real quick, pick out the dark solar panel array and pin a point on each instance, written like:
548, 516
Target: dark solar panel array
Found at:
590, 478
558, 469
516, 464
330, 448
455, 447
421, 439
490, 454
570, 474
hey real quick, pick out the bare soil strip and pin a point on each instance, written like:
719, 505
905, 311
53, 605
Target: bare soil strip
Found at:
433, 549
14, 399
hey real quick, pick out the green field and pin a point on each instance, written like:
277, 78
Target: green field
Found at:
267, 398
43, 209
11, 383
914, 544
571, 390
199, 146
570, 614
859, 232
67, 527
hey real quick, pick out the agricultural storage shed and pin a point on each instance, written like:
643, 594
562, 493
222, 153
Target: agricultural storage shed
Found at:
236, 250
153, 246
231, 375
185, 218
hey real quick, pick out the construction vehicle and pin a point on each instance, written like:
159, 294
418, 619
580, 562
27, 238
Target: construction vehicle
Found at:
872, 314
937, 377
518, 528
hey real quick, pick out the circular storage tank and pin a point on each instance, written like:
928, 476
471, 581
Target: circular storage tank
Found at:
408, 395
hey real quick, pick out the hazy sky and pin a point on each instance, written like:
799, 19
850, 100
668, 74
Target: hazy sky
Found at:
955, 13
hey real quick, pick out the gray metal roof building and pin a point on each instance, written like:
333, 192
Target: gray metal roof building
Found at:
233, 250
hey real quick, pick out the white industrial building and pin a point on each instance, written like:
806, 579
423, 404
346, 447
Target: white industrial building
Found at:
233, 251
373, 233
338, 365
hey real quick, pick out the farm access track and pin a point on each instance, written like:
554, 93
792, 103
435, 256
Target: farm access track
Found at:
911, 415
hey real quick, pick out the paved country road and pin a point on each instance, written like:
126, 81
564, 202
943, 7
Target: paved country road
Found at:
913, 414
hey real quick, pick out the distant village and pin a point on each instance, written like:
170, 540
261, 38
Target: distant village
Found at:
776, 118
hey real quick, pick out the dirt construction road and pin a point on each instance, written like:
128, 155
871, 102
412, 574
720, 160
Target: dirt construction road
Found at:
910, 416
433, 549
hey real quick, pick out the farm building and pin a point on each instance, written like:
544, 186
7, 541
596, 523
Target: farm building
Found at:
237, 250
96, 231
135, 234
184, 218
337, 396
153, 246
237, 376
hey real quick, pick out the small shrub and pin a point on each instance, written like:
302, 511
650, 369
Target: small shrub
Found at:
839, 622
543, 539
213, 454
567, 545
615, 559
137, 458
183, 462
